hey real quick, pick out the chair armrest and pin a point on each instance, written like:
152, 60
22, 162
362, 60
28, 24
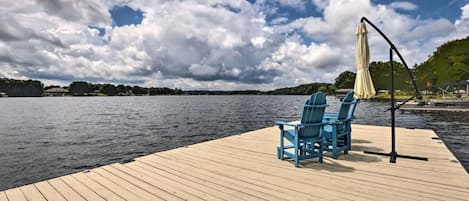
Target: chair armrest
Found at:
282, 123
335, 122
330, 115
315, 124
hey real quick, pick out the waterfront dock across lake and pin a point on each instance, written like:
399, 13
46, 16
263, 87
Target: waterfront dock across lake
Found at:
245, 167
437, 106
414, 108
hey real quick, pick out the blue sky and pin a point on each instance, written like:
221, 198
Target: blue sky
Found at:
124, 15
432, 9
218, 44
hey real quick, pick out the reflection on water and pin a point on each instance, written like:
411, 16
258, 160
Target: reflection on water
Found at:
42, 138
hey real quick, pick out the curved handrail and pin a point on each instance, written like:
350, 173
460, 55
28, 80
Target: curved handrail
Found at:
417, 92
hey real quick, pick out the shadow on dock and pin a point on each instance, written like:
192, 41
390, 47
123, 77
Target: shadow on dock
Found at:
332, 165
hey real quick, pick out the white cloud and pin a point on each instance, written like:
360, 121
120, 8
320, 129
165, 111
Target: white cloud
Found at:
279, 20
258, 41
462, 24
205, 44
301, 64
299, 4
271, 6
203, 70
465, 12
403, 5
320, 4
415, 38
84, 11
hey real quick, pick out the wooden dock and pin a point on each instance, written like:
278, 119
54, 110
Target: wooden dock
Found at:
245, 167
414, 108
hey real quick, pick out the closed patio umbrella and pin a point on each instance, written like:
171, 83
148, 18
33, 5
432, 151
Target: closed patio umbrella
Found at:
364, 88
364, 85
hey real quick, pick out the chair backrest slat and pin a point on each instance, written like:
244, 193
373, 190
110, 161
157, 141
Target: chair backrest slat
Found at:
352, 108
345, 106
313, 112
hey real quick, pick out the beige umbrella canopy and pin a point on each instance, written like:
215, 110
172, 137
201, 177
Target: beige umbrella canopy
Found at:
364, 88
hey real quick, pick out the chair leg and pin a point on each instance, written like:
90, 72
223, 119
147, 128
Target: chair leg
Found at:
334, 148
297, 149
321, 150
349, 140
280, 148
296, 157
279, 153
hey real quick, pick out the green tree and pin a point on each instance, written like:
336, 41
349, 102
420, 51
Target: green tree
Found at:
109, 90
139, 90
81, 88
21, 88
380, 74
121, 89
305, 89
345, 80
449, 63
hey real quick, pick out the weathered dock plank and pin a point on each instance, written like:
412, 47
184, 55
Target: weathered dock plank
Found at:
81, 189
102, 191
3, 196
245, 167
49, 192
31, 193
15, 194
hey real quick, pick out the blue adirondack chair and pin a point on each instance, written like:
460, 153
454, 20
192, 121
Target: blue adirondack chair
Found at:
351, 116
329, 115
337, 131
305, 137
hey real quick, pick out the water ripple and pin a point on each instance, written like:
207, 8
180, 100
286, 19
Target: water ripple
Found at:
58, 136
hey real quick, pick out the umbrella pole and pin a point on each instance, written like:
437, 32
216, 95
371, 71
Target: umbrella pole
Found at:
393, 155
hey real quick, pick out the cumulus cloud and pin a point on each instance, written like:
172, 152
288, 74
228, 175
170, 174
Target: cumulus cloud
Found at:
404, 5
298, 4
12, 30
415, 38
85, 11
465, 12
205, 44
200, 41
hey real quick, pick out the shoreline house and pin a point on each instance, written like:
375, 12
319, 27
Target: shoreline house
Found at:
340, 93
58, 91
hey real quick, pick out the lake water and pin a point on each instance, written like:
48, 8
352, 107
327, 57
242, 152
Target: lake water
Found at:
42, 138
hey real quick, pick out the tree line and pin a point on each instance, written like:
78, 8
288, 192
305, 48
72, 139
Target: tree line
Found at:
81, 88
18, 88
34, 88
